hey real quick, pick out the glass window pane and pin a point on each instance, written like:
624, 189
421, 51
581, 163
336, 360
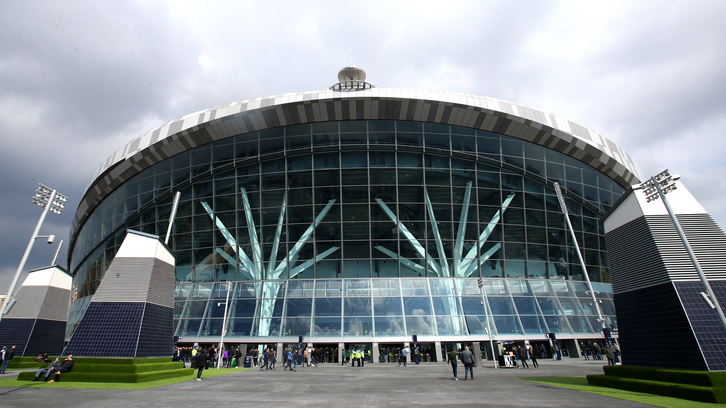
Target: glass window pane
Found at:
549, 306
416, 306
533, 324
579, 324
300, 288
420, 325
299, 307
500, 305
267, 327
450, 325
357, 287
507, 325
571, 306
296, 327
415, 287
329, 288
386, 287
357, 306
358, 326
326, 326
558, 324
526, 305
442, 287
477, 324
446, 306
472, 305
239, 327
328, 307
242, 308
389, 326
387, 306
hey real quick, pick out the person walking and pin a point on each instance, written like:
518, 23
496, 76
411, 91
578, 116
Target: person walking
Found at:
266, 360
404, 356
288, 360
534, 355
522, 354
201, 362
9, 354
467, 357
452, 360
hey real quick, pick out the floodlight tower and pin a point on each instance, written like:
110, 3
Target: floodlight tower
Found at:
657, 187
51, 201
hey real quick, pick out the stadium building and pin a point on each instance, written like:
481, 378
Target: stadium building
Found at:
359, 215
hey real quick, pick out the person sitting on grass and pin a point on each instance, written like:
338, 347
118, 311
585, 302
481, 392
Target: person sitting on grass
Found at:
48, 370
64, 368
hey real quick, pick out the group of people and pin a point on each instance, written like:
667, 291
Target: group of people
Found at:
356, 356
202, 357
596, 352
467, 358
56, 368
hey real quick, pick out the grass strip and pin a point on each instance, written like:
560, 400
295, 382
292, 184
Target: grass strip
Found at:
15, 383
580, 384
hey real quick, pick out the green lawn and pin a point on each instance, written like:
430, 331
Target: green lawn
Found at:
580, 384
13, 382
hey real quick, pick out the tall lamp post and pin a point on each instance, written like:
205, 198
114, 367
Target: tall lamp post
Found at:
563, 206
51, 201
480, 283
229, 287
657, 187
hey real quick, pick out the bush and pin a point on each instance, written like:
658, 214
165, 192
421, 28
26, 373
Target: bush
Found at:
119, 370
682, 391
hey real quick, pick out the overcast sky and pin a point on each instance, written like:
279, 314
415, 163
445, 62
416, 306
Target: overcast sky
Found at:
80, 79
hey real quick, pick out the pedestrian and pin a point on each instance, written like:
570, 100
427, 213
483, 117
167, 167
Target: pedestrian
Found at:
201, 363
225, 358
522, 354
533, 354
404, 356
305, 358
9, 354
266, 360
591, 348
610, 355
288, 360
195, 351
583, 347
468, 359
452, 360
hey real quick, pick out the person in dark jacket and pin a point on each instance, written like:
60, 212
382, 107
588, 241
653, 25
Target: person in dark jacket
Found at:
522, 354
534, 354
201, 362
467, 357
48, 370
610, 355
9, 354
64, 368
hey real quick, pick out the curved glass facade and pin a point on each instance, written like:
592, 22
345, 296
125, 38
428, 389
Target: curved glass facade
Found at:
328, 229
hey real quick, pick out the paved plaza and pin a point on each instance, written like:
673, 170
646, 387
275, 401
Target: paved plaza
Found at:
332, 385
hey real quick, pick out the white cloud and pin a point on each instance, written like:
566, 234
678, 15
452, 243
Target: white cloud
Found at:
78, 80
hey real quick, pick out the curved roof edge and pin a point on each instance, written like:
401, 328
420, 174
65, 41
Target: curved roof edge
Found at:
451, 108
